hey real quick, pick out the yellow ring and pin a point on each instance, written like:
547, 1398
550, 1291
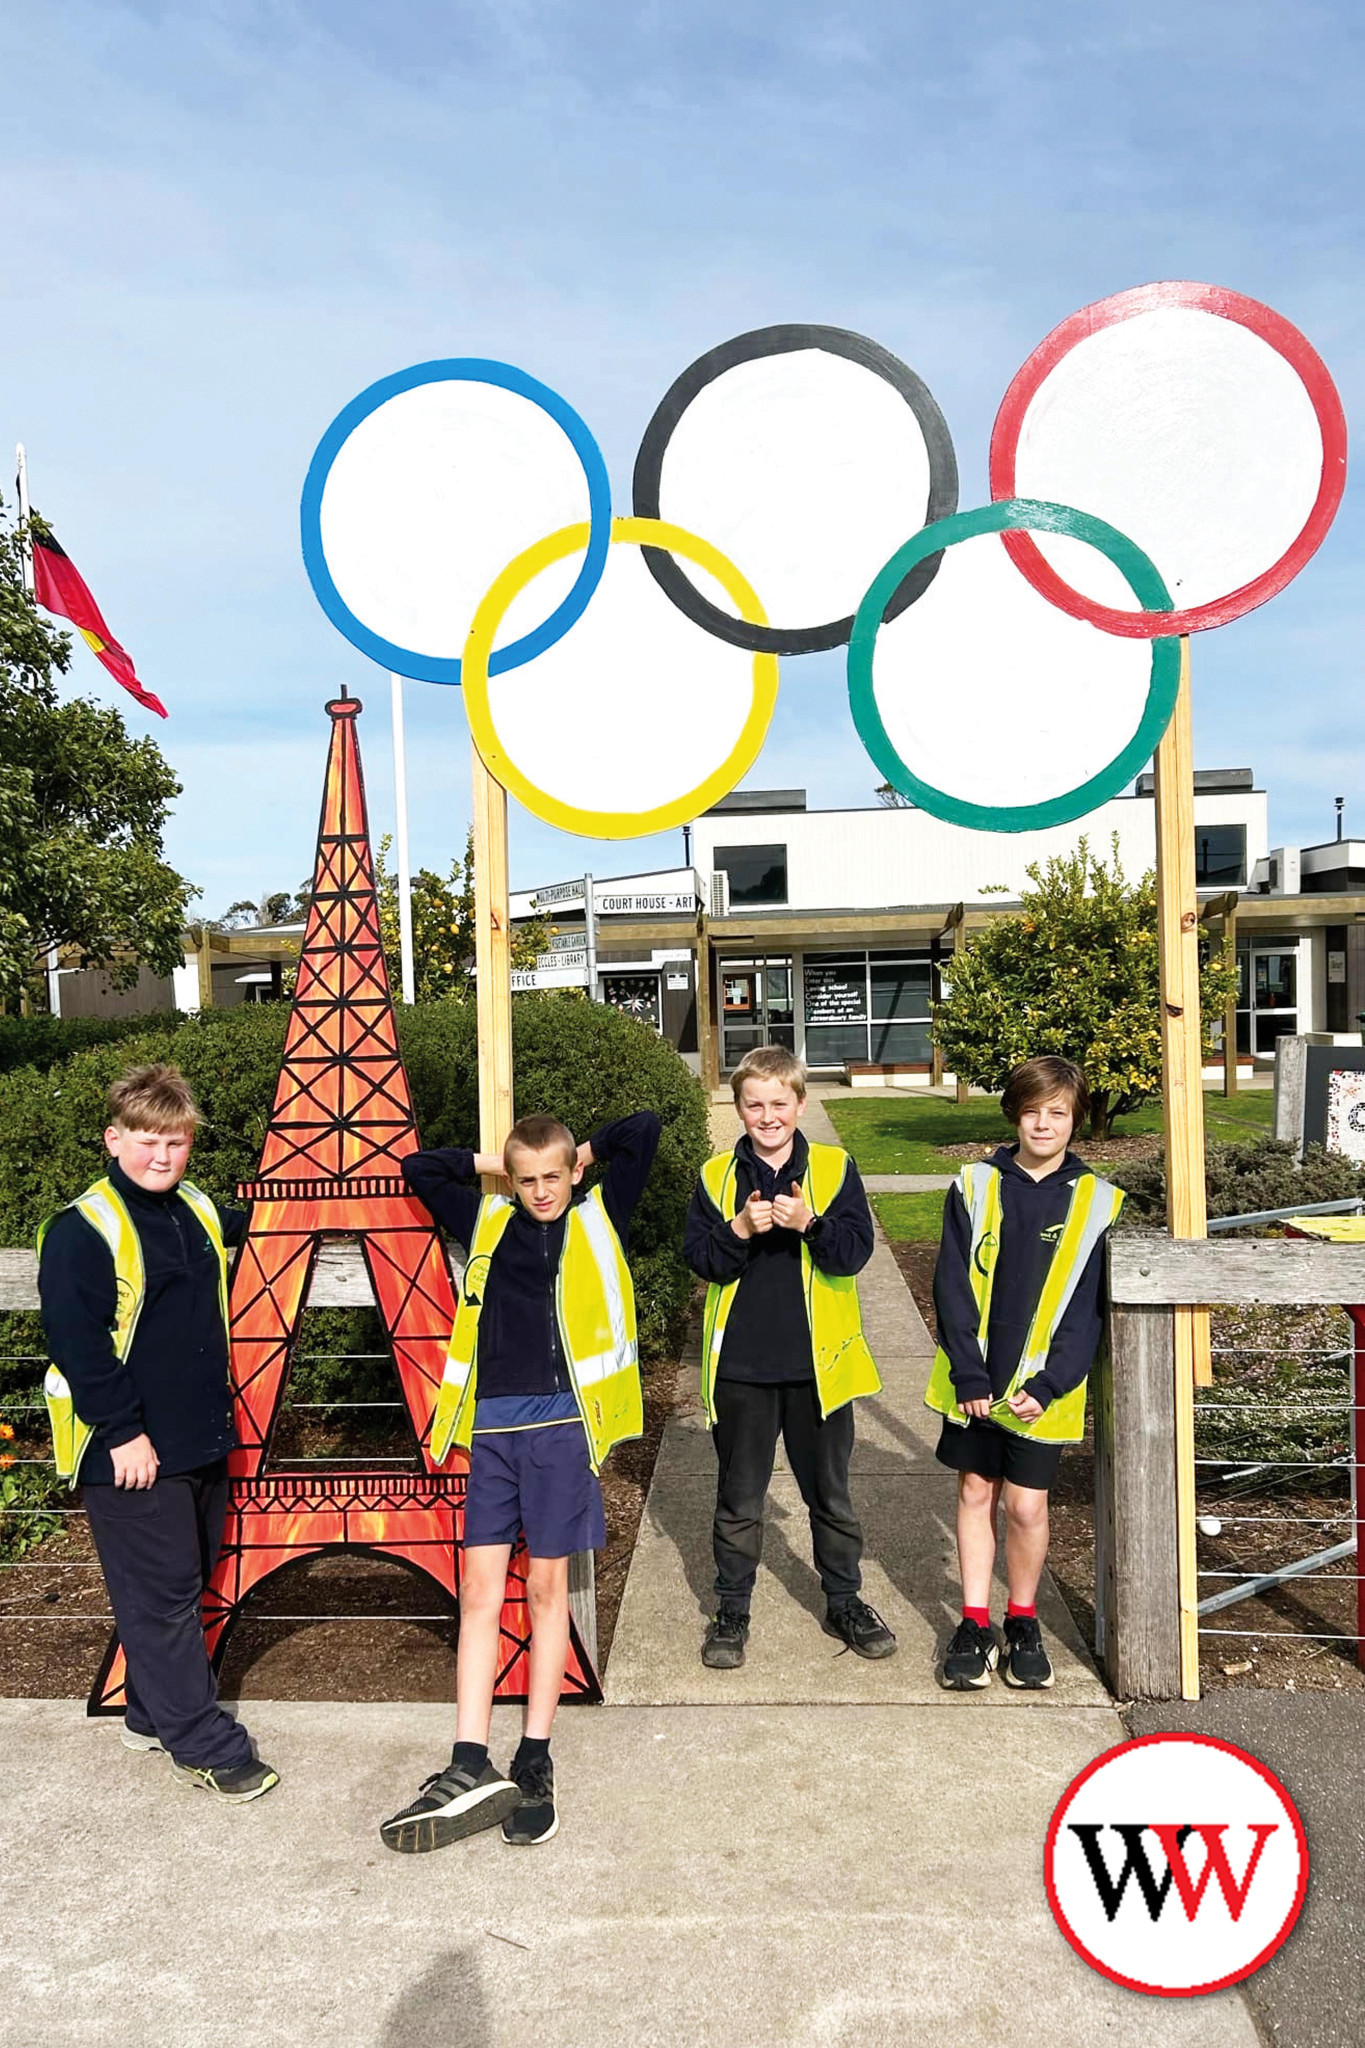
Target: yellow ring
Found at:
479, 646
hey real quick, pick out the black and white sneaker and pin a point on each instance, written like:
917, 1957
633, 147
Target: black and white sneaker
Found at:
451, 1805
1026, 1663
536, 1819
726, 1635
970, 1658
861, 1629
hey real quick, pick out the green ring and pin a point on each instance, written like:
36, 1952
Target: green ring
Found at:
1036, 516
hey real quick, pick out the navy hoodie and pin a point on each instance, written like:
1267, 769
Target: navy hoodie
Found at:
519, 1349
173, 1386
1032, 1213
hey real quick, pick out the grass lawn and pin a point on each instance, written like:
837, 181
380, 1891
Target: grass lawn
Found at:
902, 1133
910, 1219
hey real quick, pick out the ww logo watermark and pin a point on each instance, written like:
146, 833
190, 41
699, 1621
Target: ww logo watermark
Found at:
1176, 1864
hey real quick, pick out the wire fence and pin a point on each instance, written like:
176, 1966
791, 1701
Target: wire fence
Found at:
1278, 1442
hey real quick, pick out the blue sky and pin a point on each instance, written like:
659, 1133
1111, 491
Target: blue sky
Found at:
224, 221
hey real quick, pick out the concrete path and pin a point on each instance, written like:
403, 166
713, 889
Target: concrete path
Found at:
772, 1877
907, 1183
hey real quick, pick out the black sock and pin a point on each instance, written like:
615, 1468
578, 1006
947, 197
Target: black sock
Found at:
469, 1756
532, 1749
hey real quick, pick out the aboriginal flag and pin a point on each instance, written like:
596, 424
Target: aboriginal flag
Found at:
59, 587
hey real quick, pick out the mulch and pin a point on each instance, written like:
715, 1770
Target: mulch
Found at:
47, 1651
1112, 1151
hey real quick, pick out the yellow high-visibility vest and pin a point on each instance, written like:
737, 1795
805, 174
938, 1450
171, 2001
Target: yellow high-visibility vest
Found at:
844, 1367
595, 1310
1093, 1208
103, 1207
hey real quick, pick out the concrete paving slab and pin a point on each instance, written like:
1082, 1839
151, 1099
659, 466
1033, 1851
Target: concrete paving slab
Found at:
783, 1878
909, 1575
907, 1183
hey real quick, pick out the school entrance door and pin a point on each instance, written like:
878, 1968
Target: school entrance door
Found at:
756, 1006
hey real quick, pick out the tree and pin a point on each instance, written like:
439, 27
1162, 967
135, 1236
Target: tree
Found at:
277, 906
893, 799
442, 928
82, 811
1075, 973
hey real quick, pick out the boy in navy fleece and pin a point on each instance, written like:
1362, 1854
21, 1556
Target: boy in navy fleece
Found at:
1018, 1294
542, 1379
132, 1277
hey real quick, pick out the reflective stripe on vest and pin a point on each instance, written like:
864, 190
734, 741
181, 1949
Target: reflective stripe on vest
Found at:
1093, 1207
595, 1311
104, 1209
844, 1367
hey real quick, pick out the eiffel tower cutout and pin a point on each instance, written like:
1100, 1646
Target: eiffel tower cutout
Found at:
341, 1125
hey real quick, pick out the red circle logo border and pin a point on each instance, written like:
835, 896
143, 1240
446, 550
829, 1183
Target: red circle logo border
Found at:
1135, 1983
1272, 328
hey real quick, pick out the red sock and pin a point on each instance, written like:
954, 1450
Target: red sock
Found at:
980, 1615
1015, 1612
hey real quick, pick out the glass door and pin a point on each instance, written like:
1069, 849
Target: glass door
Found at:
756, 1007
1274, 995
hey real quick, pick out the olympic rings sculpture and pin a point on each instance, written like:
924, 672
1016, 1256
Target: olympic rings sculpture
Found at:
1008, 667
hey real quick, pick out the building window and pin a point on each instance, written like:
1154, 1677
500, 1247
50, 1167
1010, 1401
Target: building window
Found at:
866, 1006
758, 874
1220, 856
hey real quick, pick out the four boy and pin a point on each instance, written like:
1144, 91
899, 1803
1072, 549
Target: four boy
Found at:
542, 1380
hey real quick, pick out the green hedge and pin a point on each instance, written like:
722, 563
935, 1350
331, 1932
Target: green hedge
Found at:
1242, 1180
48, 1041
580, 1061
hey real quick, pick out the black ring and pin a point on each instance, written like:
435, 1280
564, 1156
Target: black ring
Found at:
776, 341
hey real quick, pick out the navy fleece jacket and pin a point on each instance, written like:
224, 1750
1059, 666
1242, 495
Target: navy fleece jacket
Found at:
1033, 1212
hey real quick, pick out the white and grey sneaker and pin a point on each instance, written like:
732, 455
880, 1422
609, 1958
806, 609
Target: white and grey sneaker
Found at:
142, 1745
451, 1805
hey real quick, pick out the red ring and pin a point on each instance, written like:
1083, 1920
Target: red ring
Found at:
1286, 340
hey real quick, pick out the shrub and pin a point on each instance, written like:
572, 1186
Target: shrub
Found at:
1244, 1179
584, 1062
45, 1042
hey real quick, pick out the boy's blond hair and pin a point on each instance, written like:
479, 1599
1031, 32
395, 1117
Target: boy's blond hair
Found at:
770, 1063
156, 1097
538, 1134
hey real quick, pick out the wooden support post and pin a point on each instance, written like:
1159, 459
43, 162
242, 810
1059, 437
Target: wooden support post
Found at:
492, 956
1183, 1090
1137, 1625
1230, 1007
935, 998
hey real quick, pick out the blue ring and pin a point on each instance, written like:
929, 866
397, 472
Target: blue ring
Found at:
430, 668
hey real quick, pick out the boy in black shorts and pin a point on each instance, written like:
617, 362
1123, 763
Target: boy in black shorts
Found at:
542, 1378
1018, 1294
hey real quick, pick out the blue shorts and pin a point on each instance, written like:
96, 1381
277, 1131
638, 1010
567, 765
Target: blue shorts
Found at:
538, 1480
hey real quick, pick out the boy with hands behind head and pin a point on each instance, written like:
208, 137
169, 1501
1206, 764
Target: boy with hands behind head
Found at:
779, 1228
541, 1379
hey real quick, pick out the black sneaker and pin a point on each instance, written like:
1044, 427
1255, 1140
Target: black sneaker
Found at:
726, 1635
970, 1658
861, 1629
238, 1783
1026, 1663
451, 1805
536, 1819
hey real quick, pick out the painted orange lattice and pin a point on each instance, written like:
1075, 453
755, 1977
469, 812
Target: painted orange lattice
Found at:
330, 1167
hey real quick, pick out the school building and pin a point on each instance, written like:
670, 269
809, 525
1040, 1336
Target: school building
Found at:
830, 931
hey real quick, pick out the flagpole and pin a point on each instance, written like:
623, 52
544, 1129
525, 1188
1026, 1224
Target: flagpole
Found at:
54, 984
400, 797
21, 491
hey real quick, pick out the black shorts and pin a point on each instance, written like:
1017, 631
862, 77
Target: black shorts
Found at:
995, 1453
